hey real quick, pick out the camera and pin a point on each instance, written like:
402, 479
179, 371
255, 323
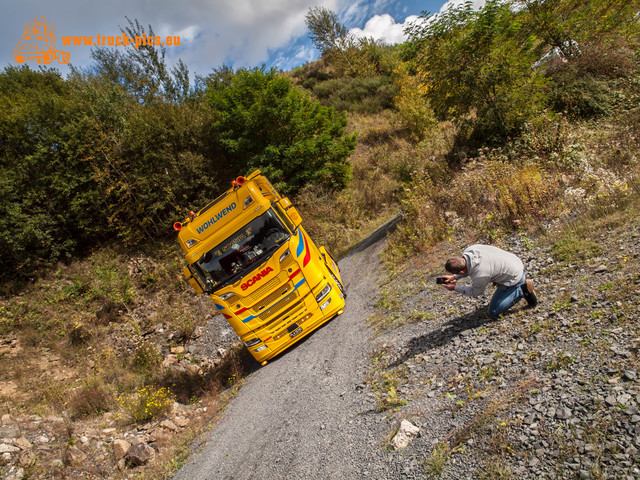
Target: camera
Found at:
441, 280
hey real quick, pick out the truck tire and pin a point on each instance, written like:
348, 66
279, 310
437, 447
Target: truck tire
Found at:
63, 57
46, 58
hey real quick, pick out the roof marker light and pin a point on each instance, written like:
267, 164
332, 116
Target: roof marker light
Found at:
177, 226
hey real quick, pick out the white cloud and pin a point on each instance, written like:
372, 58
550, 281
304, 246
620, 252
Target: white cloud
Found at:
477, 4
294, 57
213, 32
236, 32
385, 29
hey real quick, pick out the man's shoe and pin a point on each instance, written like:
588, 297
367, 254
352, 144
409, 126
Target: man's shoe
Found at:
528, 293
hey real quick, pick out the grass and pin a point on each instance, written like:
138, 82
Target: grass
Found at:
385, 382
436, 462
86, 324
573, 249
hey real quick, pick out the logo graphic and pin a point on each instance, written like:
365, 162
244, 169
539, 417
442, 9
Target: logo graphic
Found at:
257, 277
216, 217
38, 42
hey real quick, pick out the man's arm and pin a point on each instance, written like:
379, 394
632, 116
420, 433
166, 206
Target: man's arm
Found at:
477, 287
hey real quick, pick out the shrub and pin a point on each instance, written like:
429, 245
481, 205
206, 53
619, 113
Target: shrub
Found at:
503, 194
412, 104
79, 333
264, 122
92, 398
145, 404
147, 359
424, 222
478, 61
357, 95
589, 84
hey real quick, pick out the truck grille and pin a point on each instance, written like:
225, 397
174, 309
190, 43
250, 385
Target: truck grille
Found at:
264, 289
271, 298
278, 307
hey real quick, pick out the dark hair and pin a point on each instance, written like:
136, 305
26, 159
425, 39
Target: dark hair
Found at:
455, 265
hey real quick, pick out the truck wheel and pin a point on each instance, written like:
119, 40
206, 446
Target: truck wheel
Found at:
18, 58
63, 57
46, 58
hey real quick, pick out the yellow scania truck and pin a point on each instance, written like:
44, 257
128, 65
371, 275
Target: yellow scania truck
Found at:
249, 251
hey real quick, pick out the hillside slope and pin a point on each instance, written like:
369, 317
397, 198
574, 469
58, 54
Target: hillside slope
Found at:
545, 393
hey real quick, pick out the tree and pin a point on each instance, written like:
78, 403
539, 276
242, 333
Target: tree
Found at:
355, 57
142, 69
479, 63
49, 205
264, 122
566, 24
325, 30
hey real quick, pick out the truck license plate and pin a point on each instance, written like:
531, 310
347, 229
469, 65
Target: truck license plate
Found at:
295, 332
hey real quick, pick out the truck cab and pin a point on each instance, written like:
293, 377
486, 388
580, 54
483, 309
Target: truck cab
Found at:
248, 250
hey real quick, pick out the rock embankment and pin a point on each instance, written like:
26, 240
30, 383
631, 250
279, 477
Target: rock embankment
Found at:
552, 392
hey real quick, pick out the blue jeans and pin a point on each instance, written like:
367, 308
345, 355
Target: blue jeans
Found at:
505, 298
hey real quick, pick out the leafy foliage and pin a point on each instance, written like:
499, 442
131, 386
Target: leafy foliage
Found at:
126, 148
146, 404
347, 54
264, 122
325, 30
496, 68
478, 62
49, 204
412, 104
566, 25
142, 69
357, 95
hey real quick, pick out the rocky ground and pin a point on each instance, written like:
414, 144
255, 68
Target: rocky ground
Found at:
552, 392
57, 446
437, 390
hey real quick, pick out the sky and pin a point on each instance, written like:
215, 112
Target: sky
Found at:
237, 33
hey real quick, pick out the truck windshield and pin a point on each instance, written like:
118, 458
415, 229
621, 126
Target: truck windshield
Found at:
241, 252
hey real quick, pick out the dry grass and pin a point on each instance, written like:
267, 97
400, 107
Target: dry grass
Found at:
555, 170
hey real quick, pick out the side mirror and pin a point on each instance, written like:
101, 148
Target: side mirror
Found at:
291, 212
192, 281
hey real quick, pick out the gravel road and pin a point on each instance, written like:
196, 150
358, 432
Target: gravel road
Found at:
307, 414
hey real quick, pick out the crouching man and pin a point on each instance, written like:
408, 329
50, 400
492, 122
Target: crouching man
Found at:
484, 264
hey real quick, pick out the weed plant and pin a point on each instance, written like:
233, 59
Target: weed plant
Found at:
145, 404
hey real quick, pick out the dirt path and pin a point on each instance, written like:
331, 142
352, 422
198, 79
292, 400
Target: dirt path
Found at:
307, 414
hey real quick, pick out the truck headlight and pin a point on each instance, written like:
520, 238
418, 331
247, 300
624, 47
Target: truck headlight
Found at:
325, 291
252, 342
224, 296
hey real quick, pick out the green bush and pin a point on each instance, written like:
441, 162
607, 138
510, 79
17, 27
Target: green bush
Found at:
357, 95
147, 359
591, 84
263, 121
477, 65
